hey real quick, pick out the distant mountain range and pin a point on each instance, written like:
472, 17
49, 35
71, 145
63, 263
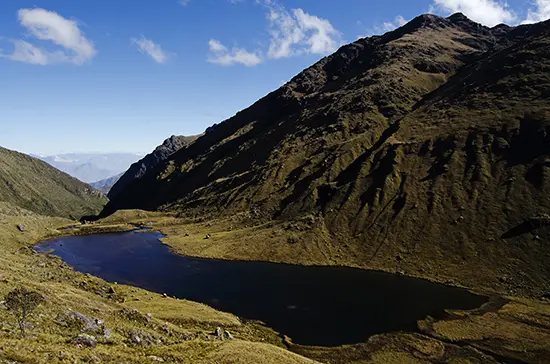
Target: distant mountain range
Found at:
90, 167
105, 185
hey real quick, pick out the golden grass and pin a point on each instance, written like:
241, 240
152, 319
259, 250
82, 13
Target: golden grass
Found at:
179, 311
520, 329
239, 352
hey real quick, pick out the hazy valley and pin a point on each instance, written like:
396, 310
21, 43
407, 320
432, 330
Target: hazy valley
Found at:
90, 168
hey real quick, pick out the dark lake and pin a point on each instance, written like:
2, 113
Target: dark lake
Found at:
313, 305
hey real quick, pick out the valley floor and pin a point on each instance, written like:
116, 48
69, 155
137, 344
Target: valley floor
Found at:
147, 327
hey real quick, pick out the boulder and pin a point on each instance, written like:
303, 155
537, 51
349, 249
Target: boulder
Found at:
21, 228
134, 315
155, 358
139, 337
107, 333
85, 340
136, 339
71, 319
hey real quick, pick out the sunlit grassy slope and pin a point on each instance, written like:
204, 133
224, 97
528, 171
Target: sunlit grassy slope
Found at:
36, 186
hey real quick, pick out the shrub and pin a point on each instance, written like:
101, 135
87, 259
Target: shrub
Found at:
22, 303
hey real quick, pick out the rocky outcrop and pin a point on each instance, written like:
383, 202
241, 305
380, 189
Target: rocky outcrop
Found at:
79, 321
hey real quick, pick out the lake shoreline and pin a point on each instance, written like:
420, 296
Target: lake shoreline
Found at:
291, 299
431, 331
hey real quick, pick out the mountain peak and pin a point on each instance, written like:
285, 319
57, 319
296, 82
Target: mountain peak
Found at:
427, 20
458, 17
150, 161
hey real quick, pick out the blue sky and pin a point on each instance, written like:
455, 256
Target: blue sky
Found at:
121, 76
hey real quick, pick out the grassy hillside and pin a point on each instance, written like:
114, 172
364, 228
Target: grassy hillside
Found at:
423, 151
36, 186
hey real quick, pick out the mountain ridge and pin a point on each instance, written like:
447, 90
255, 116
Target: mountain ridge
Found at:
106, 184
34, 185
139, 168
389, 146
292, 96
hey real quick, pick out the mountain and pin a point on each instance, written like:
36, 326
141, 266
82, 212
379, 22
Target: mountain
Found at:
34, 185
105, 185
424, 151
160, 154
92, 167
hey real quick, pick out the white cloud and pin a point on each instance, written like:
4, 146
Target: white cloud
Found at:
220, 54
291, 33
147, 46
540, 13
486, 12
298, 32
50, 26
26, 52
399, 21
380, 29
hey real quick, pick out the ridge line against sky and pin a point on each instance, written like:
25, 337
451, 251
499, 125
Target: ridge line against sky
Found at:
158, 66
292, 32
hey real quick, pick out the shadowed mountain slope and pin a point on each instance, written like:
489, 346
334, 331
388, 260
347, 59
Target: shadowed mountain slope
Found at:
34, 185
105, 185
422, 150
160, 154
